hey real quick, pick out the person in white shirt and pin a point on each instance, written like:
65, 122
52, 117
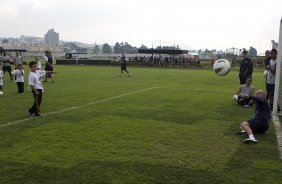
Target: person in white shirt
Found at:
245, 89
38, 63
38, 67
35, 82
270, 81
17, 60
19, 74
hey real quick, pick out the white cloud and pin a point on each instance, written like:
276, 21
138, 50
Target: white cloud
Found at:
198, 24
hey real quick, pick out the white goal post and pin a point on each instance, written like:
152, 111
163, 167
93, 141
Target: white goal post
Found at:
277, 92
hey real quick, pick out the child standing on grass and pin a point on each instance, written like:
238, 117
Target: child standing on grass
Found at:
19, 75
1, 79
35, 82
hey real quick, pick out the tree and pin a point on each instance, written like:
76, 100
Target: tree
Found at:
96, 49
106, 48
117, 48
143, 47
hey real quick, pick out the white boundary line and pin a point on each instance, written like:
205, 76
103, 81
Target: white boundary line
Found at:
78, 107
278, 130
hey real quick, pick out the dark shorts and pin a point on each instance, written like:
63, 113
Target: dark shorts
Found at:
243, 101
48, 68
270, 89
6, 69
258, 124
123, 67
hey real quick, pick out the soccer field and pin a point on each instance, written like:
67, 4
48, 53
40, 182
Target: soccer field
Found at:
158, 126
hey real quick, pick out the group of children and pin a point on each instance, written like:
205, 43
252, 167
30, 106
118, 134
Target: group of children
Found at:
34, 79
18, 74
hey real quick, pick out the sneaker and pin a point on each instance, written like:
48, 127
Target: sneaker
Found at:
246, 106
39, 115
29, 114
248, 141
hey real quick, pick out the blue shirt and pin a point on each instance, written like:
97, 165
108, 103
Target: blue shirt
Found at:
262, 108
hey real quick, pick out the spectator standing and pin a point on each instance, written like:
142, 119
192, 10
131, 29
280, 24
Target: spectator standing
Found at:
246, 68
270, 81
7, 65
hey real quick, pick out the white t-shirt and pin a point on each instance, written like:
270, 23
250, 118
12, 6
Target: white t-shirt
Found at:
34, 79
19, 75
247, 90
271, 76
38, 65
1, 77
18, 60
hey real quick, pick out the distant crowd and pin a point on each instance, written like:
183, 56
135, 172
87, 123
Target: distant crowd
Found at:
163, 61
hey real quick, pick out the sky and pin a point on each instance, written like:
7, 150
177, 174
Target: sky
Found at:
196, 24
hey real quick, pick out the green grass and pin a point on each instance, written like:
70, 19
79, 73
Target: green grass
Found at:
179, 131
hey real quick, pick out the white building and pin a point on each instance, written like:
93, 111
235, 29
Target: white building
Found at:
52, 38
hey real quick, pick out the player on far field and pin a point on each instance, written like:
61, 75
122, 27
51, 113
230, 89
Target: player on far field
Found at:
260, 121
123, 66
49, 66
35, 82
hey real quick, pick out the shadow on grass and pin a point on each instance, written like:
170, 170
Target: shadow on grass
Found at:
106, 172
254, 163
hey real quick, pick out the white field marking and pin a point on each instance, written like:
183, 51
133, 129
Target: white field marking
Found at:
78, 107
278, 128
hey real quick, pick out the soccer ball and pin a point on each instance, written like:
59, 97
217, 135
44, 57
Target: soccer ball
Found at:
1, 93
235, 98
221, 67
265, 73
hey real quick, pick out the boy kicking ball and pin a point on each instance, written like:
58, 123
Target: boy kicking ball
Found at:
35, 82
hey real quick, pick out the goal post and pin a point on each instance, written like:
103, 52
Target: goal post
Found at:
278, 81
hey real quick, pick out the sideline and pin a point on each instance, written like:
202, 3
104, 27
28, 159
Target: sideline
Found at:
278, 129
78, 107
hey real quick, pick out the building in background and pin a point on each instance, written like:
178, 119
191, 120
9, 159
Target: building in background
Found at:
52, 38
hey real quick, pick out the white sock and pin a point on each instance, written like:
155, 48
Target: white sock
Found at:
251, 136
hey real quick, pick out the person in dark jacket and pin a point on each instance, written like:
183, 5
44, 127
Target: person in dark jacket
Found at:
260, 121
246, 68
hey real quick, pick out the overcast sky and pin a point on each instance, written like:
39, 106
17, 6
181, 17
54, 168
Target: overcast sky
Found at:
196, 24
